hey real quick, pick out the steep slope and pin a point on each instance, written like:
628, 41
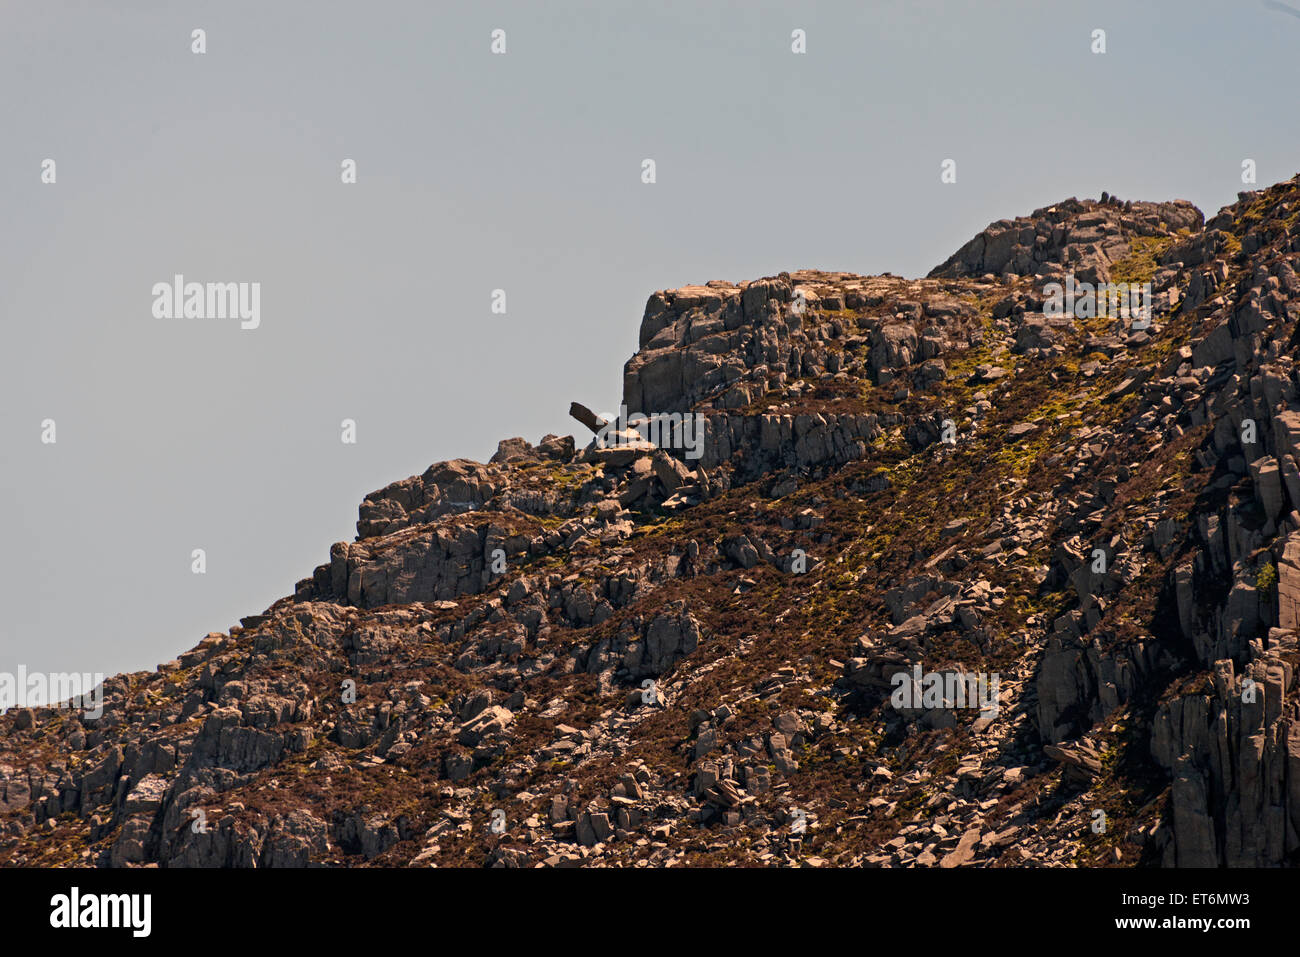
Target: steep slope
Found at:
639, 655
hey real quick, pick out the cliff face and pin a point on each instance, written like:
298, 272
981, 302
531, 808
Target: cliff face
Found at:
695, 651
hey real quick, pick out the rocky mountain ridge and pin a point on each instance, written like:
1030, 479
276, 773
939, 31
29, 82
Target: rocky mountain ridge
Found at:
576, 655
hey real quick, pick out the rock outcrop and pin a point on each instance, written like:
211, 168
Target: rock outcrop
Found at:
747, 624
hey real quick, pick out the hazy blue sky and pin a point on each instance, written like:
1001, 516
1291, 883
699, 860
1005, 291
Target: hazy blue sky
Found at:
475, 172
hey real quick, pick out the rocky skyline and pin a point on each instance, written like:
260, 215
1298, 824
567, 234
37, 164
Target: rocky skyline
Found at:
599, 650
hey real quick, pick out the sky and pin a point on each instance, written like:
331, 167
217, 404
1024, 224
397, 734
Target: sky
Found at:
477, 171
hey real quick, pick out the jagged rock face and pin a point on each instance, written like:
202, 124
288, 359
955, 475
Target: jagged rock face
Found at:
1084, 238
726, 345
678, 652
